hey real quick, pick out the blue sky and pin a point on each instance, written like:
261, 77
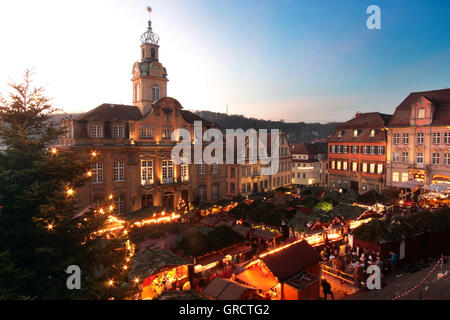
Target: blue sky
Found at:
293, 60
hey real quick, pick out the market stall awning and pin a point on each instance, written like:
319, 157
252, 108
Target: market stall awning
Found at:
223, 289
237, 250
256, 279
438, 187
149, 262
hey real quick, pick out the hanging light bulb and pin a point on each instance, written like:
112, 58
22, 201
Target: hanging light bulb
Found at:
70, 192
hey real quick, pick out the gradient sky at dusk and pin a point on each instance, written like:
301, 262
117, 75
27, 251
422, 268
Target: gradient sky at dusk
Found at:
293, 60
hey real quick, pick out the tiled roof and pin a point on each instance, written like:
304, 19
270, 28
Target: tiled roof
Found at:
111, 112
309, 148
364, 123
439, 98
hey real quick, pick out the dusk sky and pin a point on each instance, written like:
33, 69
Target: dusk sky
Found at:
312, 61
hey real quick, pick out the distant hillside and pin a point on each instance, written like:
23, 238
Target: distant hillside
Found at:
296, 132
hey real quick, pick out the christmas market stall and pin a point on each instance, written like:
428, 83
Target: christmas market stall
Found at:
224, 289
157, 271
291, 272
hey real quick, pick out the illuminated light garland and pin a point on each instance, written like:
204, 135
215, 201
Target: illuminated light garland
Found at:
163, 219
440, 262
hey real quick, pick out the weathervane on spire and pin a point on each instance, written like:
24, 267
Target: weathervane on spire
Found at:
149, 36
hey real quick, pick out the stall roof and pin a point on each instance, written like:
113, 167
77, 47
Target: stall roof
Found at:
263, 234
256, 279
242, 230
148, 262
243, 248
209, 221
290, 261
223, 289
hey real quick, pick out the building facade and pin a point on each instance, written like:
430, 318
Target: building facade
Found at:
419, 139
307, 165
357, 153
244, 179
131, 145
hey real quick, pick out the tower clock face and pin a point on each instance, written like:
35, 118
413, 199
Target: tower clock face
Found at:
156, 69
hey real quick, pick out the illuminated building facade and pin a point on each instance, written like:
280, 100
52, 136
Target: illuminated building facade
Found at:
307, 165
357, 153
131, 145
419, 139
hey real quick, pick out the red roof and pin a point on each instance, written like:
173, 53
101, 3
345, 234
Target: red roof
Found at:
290, 261
364, 123
439, 98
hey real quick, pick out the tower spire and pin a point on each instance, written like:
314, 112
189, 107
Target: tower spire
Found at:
149, 37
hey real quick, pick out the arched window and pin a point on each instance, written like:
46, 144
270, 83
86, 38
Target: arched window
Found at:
153, 53
155, 92
136, 94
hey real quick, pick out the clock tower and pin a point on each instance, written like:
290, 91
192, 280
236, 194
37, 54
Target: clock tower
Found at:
149, 75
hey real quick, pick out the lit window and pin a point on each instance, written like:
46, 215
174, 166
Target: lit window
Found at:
344, 165
338, 165
395, 176
380, 169
372, 168
405, 177
364, 167
372, 133
184, 173
333, 164
355, 133
355, 166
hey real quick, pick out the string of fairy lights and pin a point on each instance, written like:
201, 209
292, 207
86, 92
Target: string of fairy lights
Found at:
70, 192
439, 263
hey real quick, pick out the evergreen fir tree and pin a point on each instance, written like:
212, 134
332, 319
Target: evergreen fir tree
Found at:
42, 232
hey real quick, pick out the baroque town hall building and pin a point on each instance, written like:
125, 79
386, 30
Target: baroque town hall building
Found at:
131, 145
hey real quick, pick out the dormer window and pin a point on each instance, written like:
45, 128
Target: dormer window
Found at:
421, 113
355, 133
341, 133
155, 92
96, 131
372, 133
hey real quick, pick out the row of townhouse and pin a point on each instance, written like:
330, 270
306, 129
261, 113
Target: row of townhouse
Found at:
373, 151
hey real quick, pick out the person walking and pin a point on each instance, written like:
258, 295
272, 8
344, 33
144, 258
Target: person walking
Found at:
326, 289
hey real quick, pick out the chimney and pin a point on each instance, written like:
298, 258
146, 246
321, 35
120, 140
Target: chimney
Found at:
357, 114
